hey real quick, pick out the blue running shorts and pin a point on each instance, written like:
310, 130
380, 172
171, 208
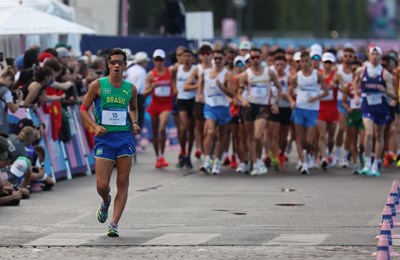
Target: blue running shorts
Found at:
113, 145
220, 114
305, 117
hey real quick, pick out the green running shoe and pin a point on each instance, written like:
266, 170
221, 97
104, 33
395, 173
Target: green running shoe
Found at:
113, 230
366, 170
374, 172
102, 211
276, 164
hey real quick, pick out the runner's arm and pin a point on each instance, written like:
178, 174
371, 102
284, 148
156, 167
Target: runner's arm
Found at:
324, 87
242, 81
200, 89
149, 84
356, 82
277, 84
389, 85
192, 82
344, 100
226, 87
292, 86
133, 113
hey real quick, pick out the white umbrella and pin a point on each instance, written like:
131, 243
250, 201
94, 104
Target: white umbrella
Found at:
28, 20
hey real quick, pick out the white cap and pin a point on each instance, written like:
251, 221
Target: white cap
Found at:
247, 57
140, 57
316, 47
19, 166
246, 45
159, 53
328, 56
315, 53
128, 52
373, 48
239, 59
207, 44
296, 56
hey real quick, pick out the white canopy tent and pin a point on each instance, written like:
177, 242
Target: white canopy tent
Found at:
28, 20
40, 22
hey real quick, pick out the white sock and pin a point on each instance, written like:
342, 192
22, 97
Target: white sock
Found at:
368, 161
338, 151
207, 159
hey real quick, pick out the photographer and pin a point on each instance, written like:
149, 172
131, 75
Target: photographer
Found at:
6, 99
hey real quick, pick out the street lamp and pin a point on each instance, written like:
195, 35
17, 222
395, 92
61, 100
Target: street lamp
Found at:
239, 4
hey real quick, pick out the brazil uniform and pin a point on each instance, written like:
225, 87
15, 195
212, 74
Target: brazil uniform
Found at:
111, 112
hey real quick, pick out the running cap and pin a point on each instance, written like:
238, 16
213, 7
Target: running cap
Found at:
205, 43
372, 48
247, 57
245, 45
239, 61
327, 56
316, 47
159, 53
296, 56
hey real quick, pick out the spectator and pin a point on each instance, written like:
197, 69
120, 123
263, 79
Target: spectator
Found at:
6, 99
8, 195
136, 74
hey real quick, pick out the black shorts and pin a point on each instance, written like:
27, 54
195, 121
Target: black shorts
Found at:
198, 111
186, 105
394, 110
283, 117
254, 112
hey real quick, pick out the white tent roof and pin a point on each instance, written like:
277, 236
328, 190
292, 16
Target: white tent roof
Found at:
28, 20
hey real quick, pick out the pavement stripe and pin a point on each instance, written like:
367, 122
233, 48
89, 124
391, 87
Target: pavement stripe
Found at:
65, 239
181, 239
297, 239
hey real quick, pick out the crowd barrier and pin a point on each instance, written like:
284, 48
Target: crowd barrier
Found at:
75, 157
63, 160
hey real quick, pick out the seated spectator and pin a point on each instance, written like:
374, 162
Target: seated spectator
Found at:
38, 173
9, 195
20, 172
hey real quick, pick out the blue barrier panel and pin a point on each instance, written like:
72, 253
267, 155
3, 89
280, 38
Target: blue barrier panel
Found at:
55, 148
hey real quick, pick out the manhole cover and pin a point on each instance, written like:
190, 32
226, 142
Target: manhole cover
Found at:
287, 190
289, 205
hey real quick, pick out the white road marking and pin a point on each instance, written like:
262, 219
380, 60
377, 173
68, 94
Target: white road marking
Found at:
181, 239
65, 239
297, 239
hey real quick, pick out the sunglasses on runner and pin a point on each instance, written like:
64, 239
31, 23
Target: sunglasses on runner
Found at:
217, 58
115, 62
158, 59
255, 57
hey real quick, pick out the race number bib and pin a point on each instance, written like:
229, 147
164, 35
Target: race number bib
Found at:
162, 91
258, 91
216, 100
330, 95
114, 116
374, 99
353, 104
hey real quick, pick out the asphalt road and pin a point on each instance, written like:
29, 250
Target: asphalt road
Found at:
177, 214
